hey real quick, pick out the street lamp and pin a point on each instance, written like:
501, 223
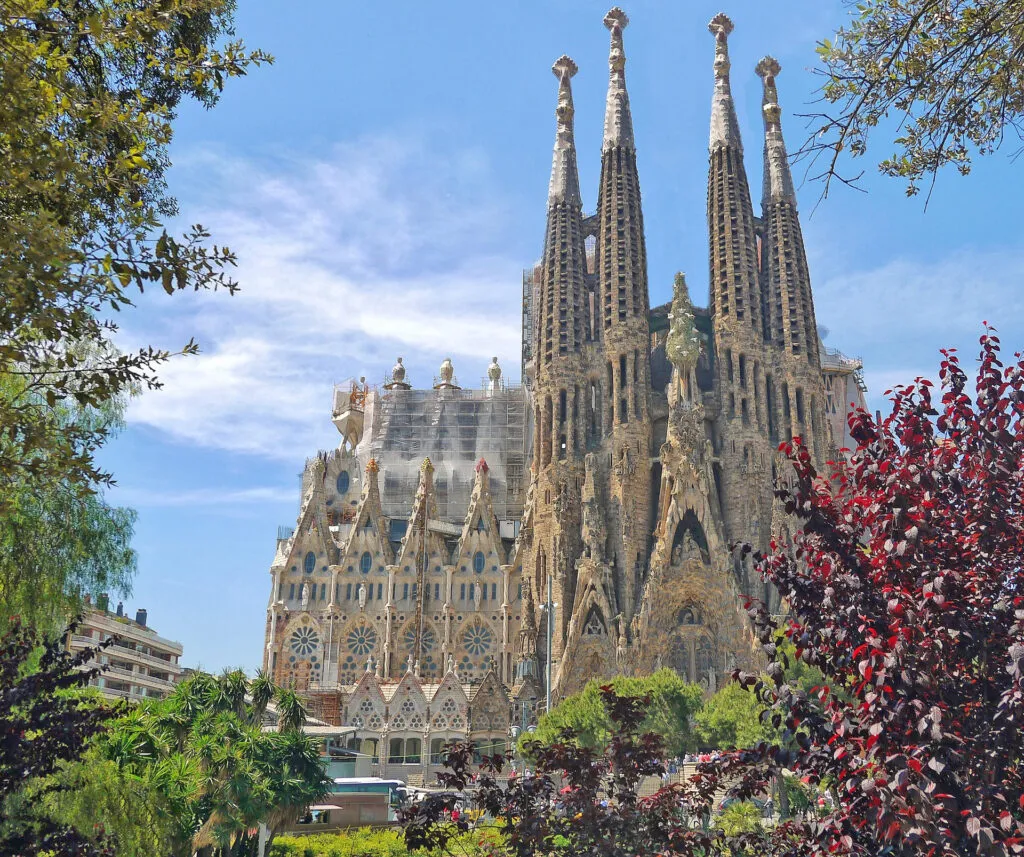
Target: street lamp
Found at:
549, 608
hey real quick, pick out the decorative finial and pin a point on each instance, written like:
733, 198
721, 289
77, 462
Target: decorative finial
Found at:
616, 20
372, 466
481, 466
618, 123
564, 67
426, 466
565, 183
398, 371
447, 370
767, 69
721, 26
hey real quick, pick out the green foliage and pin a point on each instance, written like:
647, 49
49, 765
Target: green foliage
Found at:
215, 773
370, 842
945, 75
56, 542
672, 703
738, 818
88, 94
731, 718
128, 808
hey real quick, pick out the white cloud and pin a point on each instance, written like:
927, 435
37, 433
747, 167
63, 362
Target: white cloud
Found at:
344, 263
897, 316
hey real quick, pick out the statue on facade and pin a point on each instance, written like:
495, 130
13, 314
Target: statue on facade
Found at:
361, 595
304, 596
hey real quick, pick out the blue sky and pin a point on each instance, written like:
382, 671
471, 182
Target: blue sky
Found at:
384, 185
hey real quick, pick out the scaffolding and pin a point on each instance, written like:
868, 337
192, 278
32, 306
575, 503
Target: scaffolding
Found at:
455, 428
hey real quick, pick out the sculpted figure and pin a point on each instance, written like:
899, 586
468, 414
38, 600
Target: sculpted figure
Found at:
304, 596
362, 596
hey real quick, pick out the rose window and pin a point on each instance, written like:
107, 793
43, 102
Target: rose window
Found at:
427, 642
357, 721
416, 722
458, 722
398, 722
361, 640
366, 707
375, 722
449, 707
477, 639
440, 722
408, 707
304, 641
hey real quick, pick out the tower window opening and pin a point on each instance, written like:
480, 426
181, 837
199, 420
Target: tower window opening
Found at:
728, 363
623, 413
800, 406
745, 411
622, 371
732, 405
743, 371
561, 406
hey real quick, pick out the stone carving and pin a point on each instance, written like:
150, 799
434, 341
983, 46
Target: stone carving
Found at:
304, 596
362, 597
447, 371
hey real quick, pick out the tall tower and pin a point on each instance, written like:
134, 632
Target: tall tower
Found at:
623, 331
743, 380
790, 325
562, 330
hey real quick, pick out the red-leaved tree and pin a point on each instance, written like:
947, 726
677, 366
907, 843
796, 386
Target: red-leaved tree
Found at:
905, 587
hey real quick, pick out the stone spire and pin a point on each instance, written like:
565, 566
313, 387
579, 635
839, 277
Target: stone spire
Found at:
561, 318
791, 322
735, 291
565, 180
778, 180
618, 123
725, 130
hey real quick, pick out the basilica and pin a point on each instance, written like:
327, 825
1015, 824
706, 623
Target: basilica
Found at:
472, 546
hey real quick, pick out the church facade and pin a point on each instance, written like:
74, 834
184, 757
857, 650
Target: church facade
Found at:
471, 535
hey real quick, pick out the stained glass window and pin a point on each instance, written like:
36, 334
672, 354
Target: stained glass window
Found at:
309, 563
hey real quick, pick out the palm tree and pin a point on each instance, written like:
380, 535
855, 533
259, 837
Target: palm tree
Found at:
291, 710
262, 691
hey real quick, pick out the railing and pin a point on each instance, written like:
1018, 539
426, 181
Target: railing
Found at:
149, 660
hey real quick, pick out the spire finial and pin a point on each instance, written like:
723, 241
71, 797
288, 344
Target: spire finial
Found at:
565, 183
720, 27
778, 179
725, 129
767, 69
618, 123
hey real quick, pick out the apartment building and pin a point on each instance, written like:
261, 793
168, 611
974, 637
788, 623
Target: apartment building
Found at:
140, 664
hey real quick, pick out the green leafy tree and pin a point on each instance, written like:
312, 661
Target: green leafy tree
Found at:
673, 702
946, 75
58, 543
45, 722
88, 95
731, 719
214, 772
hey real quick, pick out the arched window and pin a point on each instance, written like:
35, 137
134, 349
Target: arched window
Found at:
309, 563
478, 561
343, 482
365, 562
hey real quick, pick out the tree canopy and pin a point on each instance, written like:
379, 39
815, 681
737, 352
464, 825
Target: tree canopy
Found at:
672, 703
88, 94
946, 77
906, 591
204, 766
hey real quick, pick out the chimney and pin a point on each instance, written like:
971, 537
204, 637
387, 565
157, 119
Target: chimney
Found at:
120, 608
140, 617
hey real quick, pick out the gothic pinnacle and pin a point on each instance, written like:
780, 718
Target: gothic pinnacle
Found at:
725, 129
618, 123
778, 179
565, 183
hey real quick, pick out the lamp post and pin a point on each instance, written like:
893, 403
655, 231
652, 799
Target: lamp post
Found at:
549, 608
